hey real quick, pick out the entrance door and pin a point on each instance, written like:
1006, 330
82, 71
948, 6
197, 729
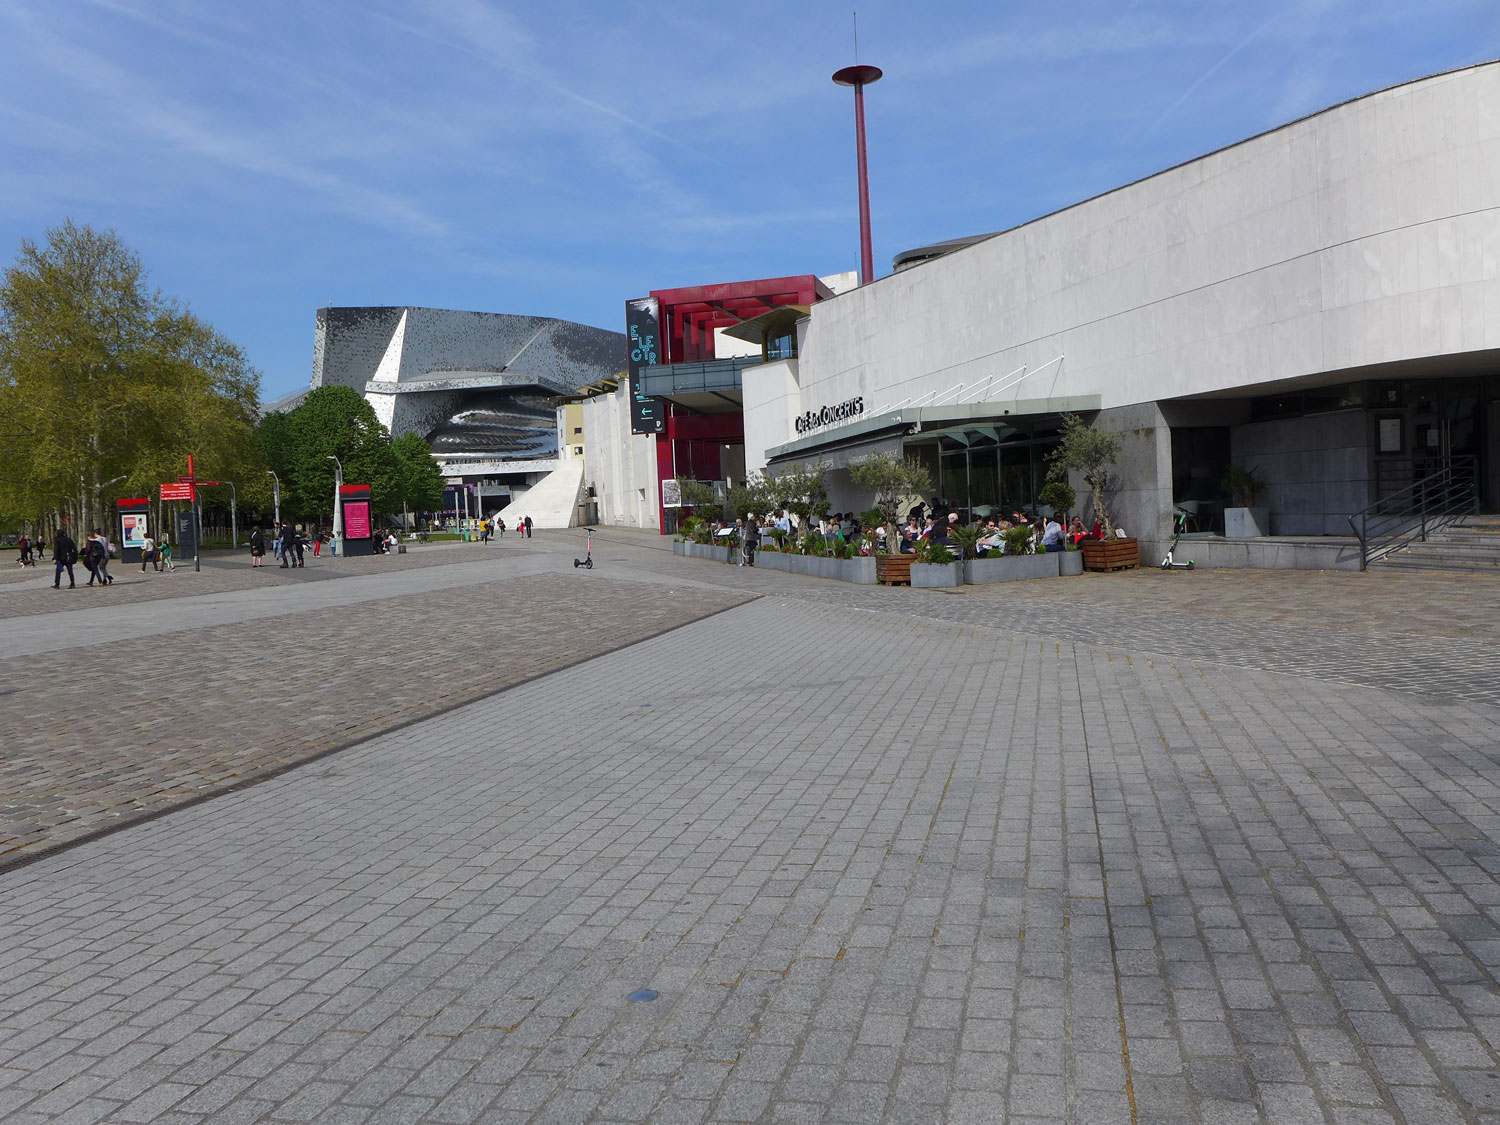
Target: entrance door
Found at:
1490, 480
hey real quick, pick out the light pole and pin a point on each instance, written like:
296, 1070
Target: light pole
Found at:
860, 76
275, 495
234, 519
338, 503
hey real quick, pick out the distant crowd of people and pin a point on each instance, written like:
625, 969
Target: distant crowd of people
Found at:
936, 523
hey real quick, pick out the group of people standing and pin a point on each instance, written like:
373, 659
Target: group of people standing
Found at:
496, 528
289, 546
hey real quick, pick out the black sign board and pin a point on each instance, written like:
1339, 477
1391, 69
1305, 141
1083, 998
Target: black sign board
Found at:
187, 539
643, 337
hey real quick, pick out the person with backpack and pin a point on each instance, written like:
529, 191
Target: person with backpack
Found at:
64, 555
91, 553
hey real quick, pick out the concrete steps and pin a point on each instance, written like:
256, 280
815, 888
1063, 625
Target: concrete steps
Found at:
1471, 546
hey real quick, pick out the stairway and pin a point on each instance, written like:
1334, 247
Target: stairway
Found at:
1470, 546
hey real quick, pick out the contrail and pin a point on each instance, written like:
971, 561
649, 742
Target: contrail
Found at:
1207, 74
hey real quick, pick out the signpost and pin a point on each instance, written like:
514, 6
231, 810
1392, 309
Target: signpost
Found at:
355, 502
643, 329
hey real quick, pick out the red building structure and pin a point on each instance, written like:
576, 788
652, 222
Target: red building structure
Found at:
704, 435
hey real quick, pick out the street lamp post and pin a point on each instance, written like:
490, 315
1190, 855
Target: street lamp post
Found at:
234, 520
338, 503
275, 495
860, 76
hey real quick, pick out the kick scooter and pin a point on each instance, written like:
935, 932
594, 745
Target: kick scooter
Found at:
587, 562
1169, 563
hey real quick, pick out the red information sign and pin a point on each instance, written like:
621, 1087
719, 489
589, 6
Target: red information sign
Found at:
176, 492
356, 519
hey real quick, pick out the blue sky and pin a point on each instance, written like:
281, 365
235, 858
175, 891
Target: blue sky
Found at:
559, 157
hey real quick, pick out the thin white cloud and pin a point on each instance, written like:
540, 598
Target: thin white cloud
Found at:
1204, 77
185, 128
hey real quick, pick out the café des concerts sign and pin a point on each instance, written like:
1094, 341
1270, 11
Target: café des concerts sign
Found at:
842, 412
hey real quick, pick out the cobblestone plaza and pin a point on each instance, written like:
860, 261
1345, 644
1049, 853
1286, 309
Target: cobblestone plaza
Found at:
1146, 847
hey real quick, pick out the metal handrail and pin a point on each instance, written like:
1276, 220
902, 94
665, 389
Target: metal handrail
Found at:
1410, 514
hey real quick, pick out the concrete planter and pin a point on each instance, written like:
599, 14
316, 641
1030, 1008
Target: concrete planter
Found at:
704, 551
1070, 563
1015, 568
860, 571
935, 576
1246, 523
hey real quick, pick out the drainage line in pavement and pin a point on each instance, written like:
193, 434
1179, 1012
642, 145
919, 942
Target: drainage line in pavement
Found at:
1109, 921
26, 858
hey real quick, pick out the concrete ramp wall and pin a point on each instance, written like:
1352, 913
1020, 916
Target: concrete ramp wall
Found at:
553, 501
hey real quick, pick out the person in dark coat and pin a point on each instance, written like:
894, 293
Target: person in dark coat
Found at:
287, 539
257, 546
64, 554
527, 522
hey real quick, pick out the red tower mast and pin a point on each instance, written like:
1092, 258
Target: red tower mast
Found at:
859, 76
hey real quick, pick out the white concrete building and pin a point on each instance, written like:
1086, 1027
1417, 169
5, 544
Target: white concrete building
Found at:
1320, 303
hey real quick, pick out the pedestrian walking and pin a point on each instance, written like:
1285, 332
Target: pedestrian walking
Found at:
257, 547
106, 549
93, 550
148, 552
484, 532
298, 542
749, 540
64, 555
284, 539
165, 550
499, 528
39, 547
24, 544
317, 542
527, 522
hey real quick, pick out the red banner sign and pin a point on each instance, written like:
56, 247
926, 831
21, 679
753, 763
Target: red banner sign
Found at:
177, 492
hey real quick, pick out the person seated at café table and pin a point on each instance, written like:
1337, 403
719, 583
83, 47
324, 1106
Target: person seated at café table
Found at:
991, 541
1052, 535
1077, 533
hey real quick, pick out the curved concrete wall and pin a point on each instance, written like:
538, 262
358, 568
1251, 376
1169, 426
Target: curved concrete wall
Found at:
1367, 233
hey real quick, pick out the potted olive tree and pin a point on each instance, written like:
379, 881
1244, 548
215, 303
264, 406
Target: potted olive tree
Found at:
1091, 453
1246, 520
893, 481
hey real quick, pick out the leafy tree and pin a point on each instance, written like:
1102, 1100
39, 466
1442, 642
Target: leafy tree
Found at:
419, 483
104, 382
1059, 496
1091, 453
894, 481
801, 489
331, 422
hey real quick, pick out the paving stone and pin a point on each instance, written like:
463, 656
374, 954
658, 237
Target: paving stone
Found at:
1108, 848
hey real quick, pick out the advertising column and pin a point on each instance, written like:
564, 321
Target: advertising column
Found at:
132, 519
355, 499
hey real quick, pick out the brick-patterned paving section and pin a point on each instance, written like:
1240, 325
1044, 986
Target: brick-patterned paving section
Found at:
99, 738
29, 592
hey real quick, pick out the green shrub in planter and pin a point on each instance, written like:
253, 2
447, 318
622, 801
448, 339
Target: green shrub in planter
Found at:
1018, 541
931, 551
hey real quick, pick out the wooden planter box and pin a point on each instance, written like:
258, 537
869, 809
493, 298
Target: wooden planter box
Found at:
1110, 554
893, 570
